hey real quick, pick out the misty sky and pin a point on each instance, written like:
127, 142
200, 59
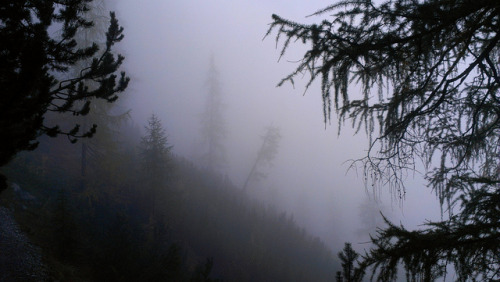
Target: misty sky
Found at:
168, 45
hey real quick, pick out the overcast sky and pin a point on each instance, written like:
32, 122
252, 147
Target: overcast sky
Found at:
168, 45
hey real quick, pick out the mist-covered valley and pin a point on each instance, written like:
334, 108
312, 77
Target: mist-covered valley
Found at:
204, 169
310, 174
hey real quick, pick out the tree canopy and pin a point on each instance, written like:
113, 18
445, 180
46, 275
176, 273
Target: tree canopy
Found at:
429, 77
155, 149
38, 51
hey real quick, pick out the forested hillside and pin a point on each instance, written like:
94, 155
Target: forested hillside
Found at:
107, 213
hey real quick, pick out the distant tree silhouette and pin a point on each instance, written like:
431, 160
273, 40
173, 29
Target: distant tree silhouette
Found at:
266, 154
155, 154
32, 62
213, 128
371, 213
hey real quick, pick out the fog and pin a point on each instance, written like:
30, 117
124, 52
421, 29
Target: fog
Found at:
168, 46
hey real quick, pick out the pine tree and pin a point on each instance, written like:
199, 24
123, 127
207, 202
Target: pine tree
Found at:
265, 155
429, 75
213, 128
348, 257
34, 62
99, 154
155, 160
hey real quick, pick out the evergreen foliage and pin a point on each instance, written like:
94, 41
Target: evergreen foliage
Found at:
197, 215
265, 156
429, 76
34, 63
348, 257
155, 154
95, 153
213, 127
155, 149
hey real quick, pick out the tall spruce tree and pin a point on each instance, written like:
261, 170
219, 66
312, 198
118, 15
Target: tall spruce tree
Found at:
429, 78
155, 154
37, 51
213, 127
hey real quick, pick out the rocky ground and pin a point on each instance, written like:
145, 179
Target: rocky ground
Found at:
20, 260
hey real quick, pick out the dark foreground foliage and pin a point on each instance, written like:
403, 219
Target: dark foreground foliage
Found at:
201, 228
429, 78
38, 53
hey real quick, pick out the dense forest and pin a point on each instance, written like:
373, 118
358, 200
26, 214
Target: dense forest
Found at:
91, 192
114, 209
115, 204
